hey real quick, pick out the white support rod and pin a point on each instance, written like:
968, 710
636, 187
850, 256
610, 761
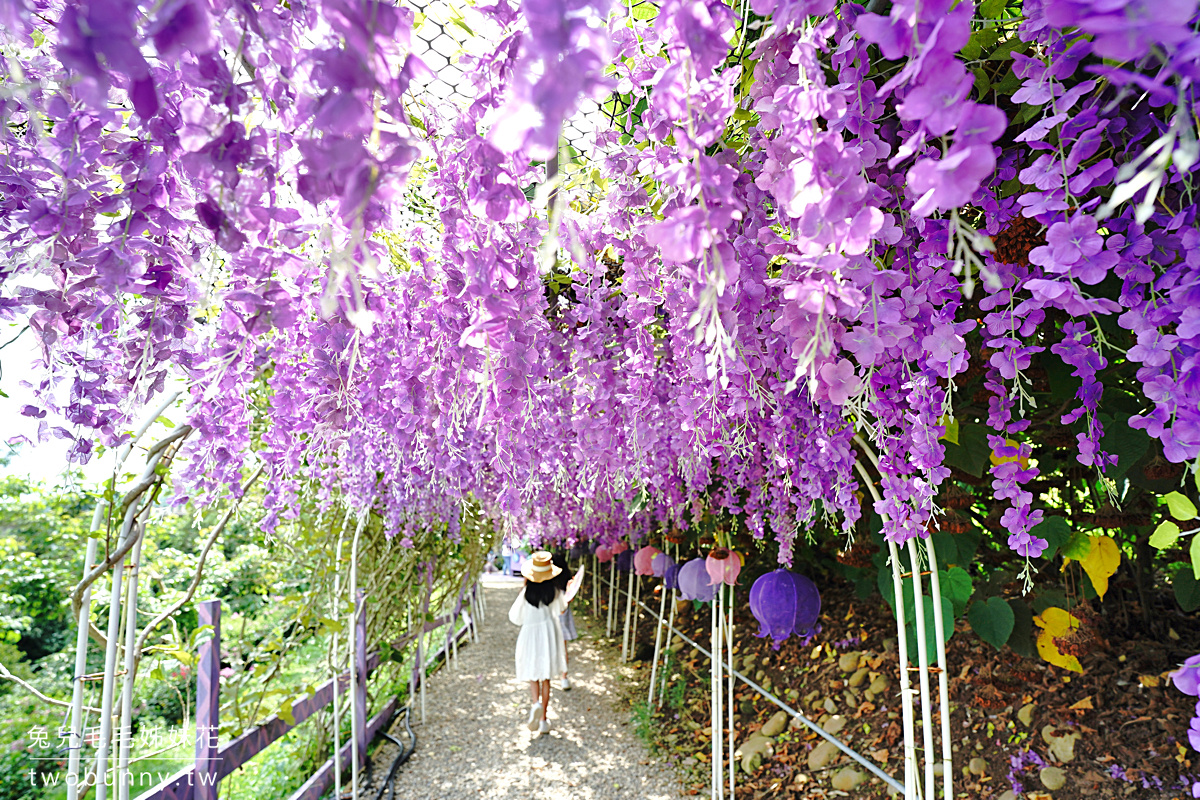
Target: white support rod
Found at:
923, 665
334, 613
729, 697
939, 629
625, 654
75, 742
128, 528
612, 589
633, 619
595, 586
911, 790
715, 782
131, 606
351, 658
662, 607
667, 636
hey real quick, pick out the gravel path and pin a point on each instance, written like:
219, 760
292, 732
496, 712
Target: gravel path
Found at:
474, 743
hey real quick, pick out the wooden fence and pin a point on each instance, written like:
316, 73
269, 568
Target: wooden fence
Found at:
200, 780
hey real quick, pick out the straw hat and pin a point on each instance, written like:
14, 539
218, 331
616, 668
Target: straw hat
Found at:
540, 567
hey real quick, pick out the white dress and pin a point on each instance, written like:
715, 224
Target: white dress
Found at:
541, 653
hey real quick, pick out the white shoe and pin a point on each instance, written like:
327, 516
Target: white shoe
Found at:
566, 684
544, 728
535, 716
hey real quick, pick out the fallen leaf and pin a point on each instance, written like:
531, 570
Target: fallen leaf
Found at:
1149, 681
1083, 705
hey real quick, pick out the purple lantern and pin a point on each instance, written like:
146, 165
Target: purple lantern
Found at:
693, 581
784, 603
660, 563
625, 560
671, 576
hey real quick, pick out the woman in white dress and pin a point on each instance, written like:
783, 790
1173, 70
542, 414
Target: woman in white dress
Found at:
541, 652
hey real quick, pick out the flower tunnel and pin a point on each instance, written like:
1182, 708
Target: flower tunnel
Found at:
674, 285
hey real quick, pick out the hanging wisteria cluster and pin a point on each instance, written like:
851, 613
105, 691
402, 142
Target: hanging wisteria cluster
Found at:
769, 267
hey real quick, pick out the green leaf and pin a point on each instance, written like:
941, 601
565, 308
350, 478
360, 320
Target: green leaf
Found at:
1165, 535
1078, 547
1194, 551
971, 452
993, 620
946, 547
166, 423
1126, 443
1056, 531
1021, 640
1187, 590
285, 712
948, 422
956, 585
1180, 507
1004, 51
991, 9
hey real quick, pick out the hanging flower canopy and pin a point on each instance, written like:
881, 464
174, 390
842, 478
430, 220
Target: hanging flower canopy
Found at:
802, 221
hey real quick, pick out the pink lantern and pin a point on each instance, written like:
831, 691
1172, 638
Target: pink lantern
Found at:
604, 554
723, 566
619, 547
643, 559
694, 582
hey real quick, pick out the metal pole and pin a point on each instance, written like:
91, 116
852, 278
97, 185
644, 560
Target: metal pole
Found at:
939, 629
208, 702
125, 729
729, 697
923, 665
75, 742
662, 606
128, 528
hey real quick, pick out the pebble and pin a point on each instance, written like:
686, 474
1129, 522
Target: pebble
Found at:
1062, 742
880, 685
478, 707
1008, 795
858, 678
848, 662
977, 766
829, 705
822, 755
1052, 778
834, 725
776, 725
1026, 714
847, 779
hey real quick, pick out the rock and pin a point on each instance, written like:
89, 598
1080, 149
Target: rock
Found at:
880, 685
754, 751
858, 678
848, 662
749, 660
1026, 714
851, 698
822, 755
1008, 795
889, 645
758, 676
977, 766
1062, 742
847, 779
829, 706
1052, 778
793, 695
747, 708
776, 725
835, 725
939, 769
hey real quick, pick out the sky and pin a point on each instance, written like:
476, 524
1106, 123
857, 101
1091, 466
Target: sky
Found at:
45, 463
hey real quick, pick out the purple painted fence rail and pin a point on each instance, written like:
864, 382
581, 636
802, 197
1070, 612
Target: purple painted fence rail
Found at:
216, 763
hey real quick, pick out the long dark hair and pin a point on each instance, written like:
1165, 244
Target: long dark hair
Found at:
540, 594
561, 580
